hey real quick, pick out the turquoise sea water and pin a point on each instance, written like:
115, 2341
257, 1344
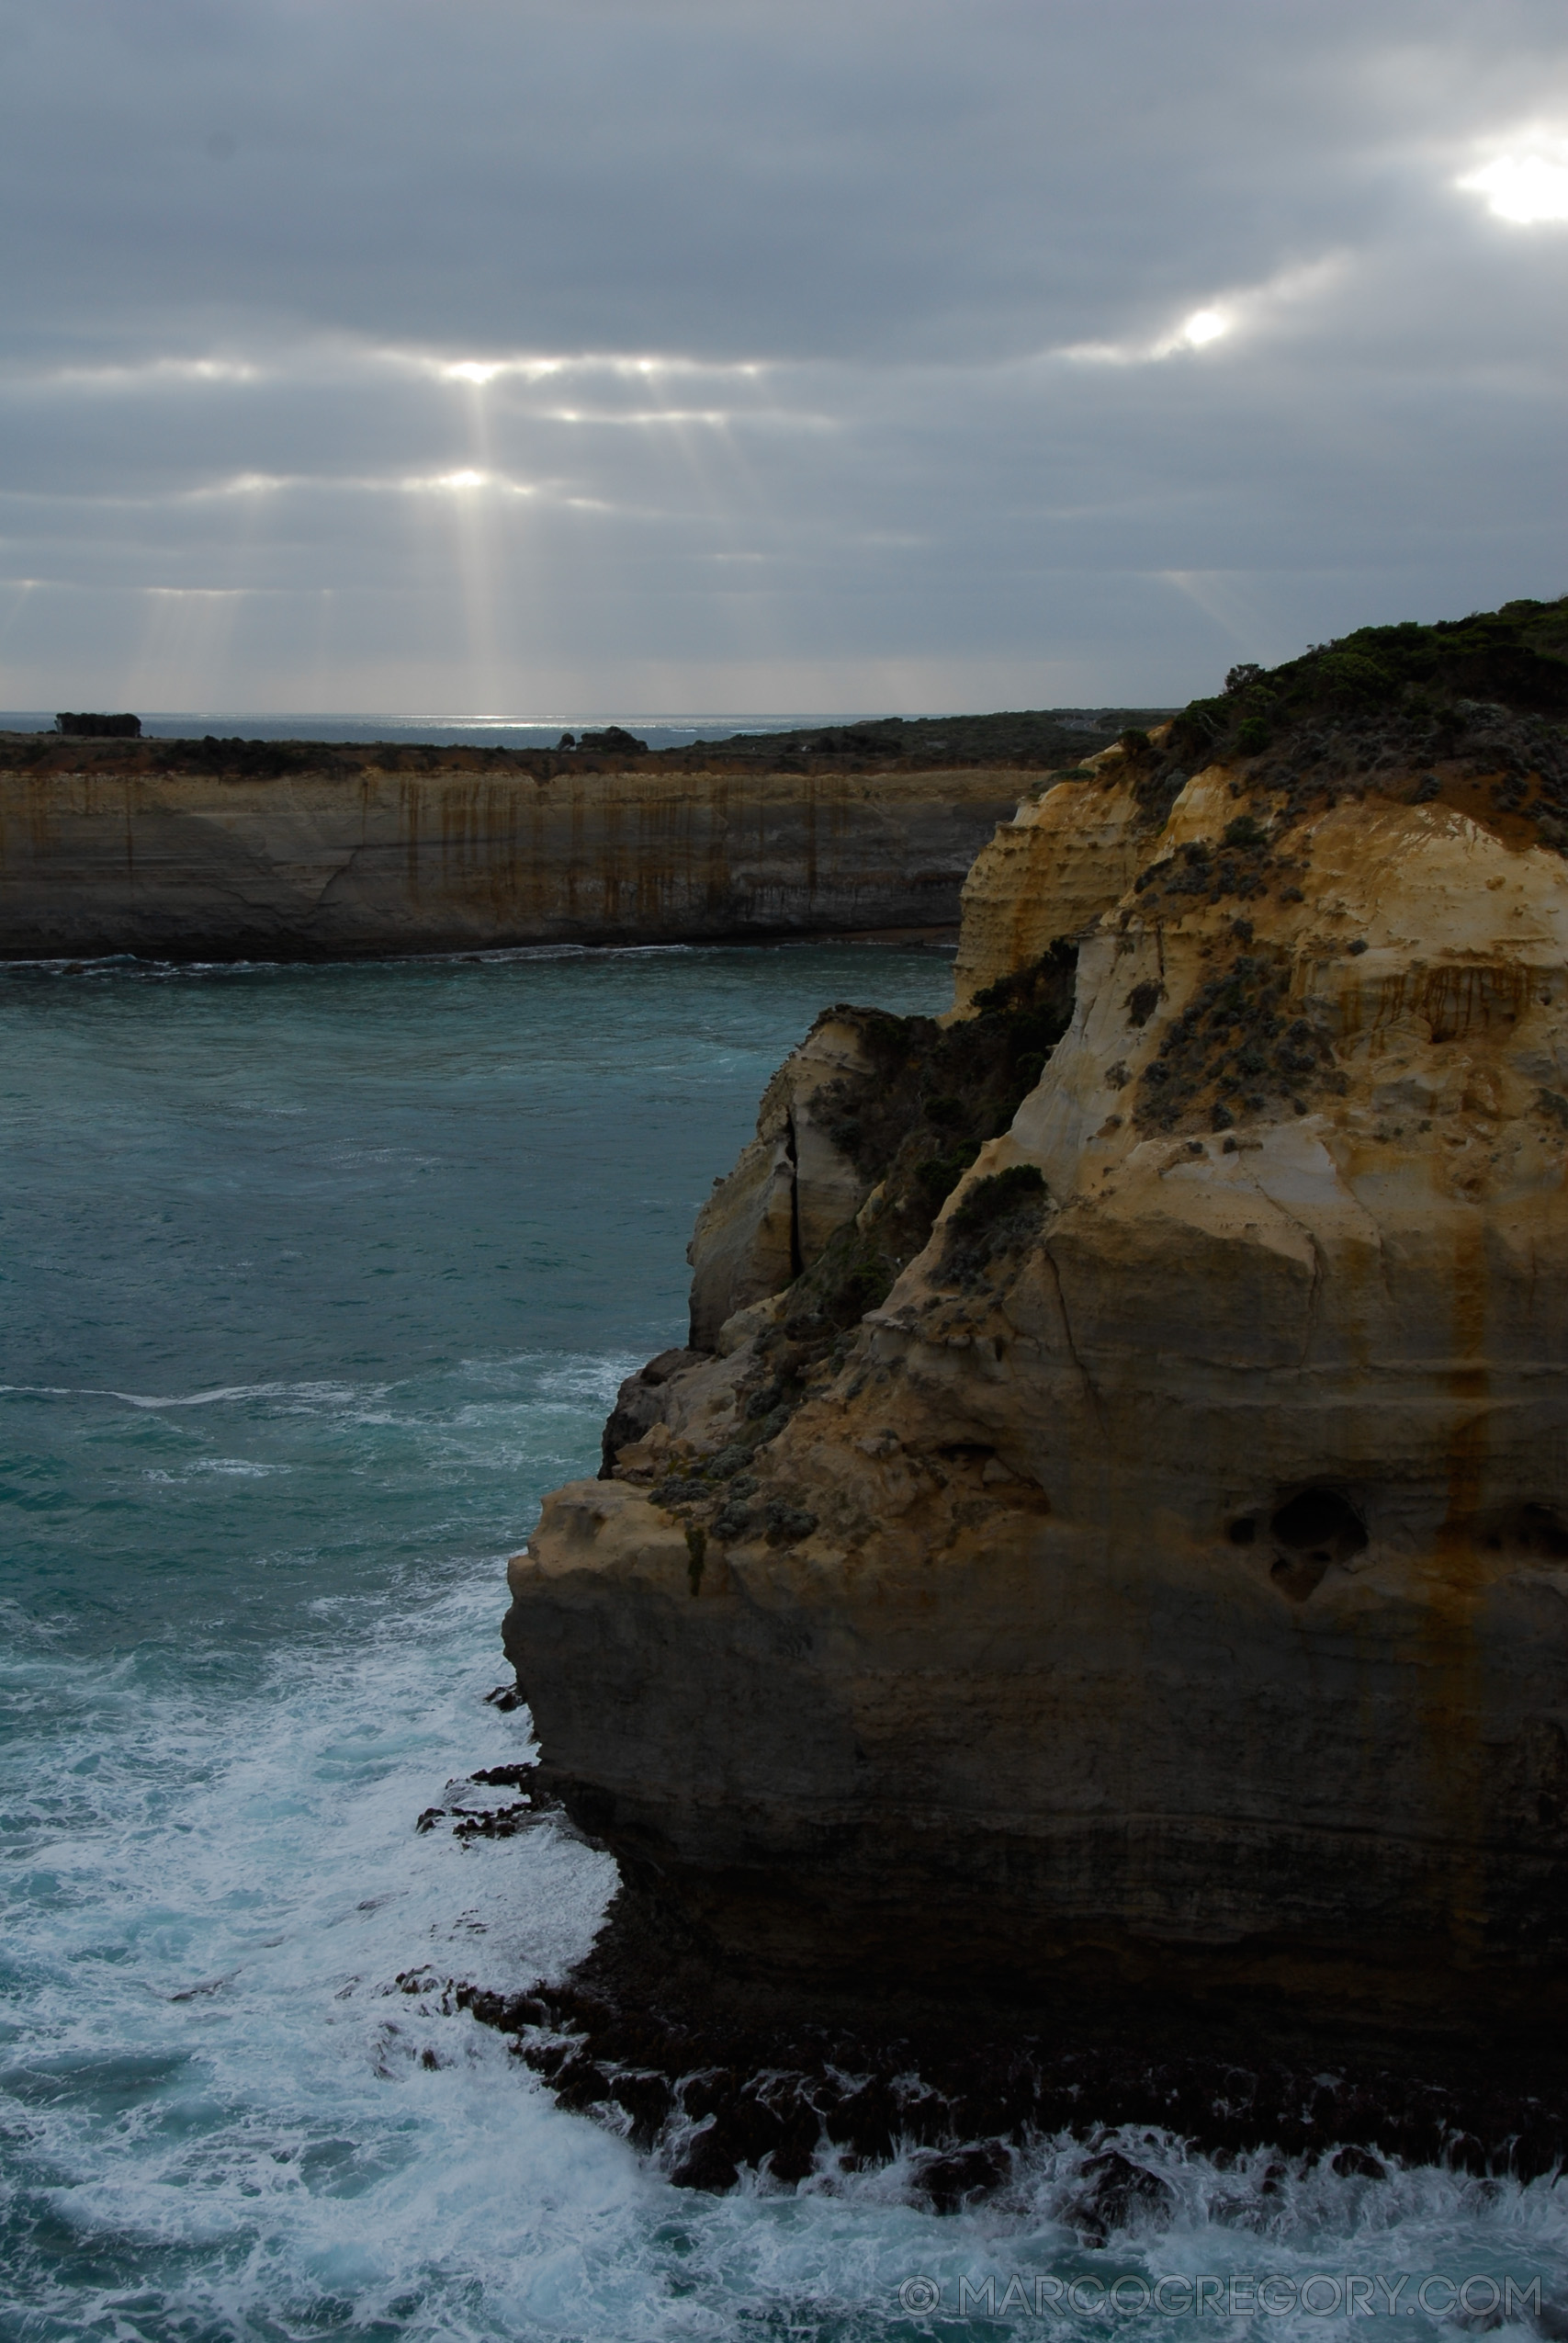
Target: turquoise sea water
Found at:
312, 1281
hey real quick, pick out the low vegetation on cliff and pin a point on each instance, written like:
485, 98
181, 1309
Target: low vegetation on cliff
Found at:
1486, 695
1030, 738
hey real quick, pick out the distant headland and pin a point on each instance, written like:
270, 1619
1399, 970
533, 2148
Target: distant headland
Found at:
113, 840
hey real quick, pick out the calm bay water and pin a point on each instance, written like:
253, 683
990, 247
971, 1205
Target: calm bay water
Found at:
312, 1282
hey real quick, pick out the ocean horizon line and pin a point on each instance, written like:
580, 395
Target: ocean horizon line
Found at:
674, 730
531, 732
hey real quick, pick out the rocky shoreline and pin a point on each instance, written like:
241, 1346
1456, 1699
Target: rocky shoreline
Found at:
713, 2072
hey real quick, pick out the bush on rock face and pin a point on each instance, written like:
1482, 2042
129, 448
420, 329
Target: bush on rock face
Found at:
998, 1214
1001, 1193
917, 1122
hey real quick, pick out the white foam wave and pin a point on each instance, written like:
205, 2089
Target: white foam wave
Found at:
225, 2099
323, 1395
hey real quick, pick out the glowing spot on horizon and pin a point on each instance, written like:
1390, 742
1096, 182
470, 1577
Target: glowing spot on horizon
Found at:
1528, 189
1204, 325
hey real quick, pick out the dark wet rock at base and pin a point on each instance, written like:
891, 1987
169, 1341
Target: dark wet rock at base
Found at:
469, 1821
715, 2073
951, 2182
1116, 2193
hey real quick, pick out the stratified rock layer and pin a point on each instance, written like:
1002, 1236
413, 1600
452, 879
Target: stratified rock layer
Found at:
124, 858
1166, 1586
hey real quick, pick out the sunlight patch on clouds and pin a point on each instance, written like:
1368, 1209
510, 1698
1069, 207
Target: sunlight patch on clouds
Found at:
1230, 317
248, 484
478, 373
537, 366
462, 479
331, 357
711, 418
465, 480
475, 370
1527, 185
151, 374
458, 483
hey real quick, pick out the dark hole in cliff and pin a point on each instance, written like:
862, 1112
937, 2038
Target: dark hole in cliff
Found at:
1244, 1532
1312, 1530
1543, 1531
1141, 1002
1537, 1530
1297, 1576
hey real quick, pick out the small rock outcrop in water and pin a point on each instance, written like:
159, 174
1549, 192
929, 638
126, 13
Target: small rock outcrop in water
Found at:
1112, 1536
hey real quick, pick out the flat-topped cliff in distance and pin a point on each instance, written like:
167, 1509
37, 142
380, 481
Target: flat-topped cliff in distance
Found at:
1109, 1532
219, 849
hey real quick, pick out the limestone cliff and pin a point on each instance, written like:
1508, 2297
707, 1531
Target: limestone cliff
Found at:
1132, 1548
356, 854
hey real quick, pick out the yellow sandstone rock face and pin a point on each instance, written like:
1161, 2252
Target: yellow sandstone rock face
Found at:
1051, 871
1176, 1595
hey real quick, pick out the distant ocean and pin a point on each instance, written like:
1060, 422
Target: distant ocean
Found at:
445, 731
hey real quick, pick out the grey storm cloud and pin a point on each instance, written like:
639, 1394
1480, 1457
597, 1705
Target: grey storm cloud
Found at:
635, 355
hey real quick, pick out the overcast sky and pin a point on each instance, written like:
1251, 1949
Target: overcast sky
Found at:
544, 357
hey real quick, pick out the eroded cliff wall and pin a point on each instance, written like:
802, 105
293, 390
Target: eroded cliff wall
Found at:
1166, 1580
122, 857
